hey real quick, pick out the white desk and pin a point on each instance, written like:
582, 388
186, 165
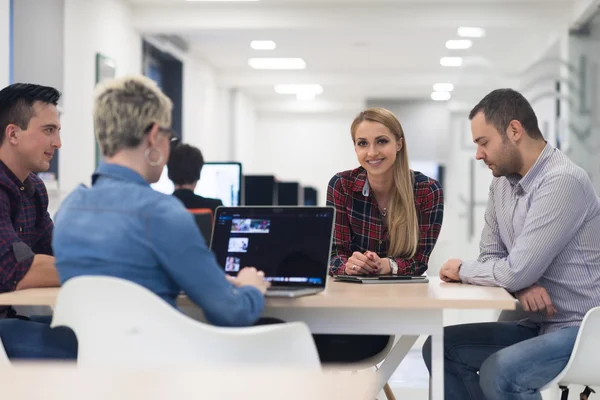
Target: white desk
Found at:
409, 310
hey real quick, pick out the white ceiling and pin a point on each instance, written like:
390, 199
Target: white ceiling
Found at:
363, 49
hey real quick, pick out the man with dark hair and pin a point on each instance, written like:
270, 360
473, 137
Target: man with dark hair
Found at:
541, 242
184, 166
29, 137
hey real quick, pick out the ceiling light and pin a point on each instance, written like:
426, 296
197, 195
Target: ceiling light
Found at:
277, 63
471, 31
306, 96
440, 96
443, 87
263, 45
299, 89
451, 61
459, 44
221, 0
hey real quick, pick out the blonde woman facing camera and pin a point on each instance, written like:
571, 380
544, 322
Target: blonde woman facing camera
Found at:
388, 219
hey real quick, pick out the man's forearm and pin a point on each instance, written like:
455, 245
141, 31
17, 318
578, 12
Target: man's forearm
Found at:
42, 273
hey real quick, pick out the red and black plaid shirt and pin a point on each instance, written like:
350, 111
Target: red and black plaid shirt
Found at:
25, 226
359, 225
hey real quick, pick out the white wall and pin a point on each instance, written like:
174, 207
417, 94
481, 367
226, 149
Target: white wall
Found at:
38, 42
90, 27
309, 148
426, 125
4, 42
244, 130
204, 125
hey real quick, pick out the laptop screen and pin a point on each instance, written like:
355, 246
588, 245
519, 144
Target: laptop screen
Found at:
291, 245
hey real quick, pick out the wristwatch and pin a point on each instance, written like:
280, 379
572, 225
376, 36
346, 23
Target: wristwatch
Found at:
393, 266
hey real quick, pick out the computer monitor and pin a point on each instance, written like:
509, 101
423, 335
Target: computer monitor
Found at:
218, 180
310, 196
288, 194
259, 190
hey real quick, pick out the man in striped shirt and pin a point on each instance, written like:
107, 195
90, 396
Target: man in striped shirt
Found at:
541, 242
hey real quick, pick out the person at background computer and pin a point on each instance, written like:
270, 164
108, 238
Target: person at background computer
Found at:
185, 165
29, 136
541, 242
388, 218
121, 227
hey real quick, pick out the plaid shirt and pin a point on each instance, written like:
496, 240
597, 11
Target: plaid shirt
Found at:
25, 226
359, 225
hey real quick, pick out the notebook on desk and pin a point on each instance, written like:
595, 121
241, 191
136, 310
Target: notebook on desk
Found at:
381, 279
291, 245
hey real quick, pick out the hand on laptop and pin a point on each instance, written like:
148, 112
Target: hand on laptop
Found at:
360, 264
249, 276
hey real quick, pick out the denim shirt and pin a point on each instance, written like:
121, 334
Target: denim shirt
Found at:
123, 228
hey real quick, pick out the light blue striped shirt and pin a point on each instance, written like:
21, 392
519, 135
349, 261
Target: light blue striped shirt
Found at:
543, 228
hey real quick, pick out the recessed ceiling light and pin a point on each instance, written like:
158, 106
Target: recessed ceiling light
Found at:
298, 89
459, 44
263, 44
305, 96
443, 87
440, 96
277, 63
222, 0
451, 61
471, 32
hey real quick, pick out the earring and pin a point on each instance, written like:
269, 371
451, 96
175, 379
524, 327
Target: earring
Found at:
154, 163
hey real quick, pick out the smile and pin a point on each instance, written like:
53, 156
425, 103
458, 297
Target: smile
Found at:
375, 162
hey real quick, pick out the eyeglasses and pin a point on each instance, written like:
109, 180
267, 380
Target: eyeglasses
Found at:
173, 138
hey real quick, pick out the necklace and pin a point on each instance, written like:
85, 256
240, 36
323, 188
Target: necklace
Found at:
384, 212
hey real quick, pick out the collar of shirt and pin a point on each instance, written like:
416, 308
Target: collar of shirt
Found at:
10, 179
360, 182
118, 172
526, 182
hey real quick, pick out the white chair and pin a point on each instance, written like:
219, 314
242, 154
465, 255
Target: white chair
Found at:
584, 364
119, 322
3, 357
583, 367
370, 363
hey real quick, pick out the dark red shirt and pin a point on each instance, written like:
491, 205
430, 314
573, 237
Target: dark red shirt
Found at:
359, 224
25, 226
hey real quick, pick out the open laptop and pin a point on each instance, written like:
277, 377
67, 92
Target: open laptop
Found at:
292, 245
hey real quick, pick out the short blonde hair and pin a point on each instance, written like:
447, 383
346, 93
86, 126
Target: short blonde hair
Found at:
124, 108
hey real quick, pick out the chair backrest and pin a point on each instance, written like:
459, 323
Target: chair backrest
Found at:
204, 221
583, 367
119, 322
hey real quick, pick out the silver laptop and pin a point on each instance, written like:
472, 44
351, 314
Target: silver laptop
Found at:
292, 245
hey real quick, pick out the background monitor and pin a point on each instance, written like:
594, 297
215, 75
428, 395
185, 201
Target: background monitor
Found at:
288, 194
260, 190
310, 196
218, 180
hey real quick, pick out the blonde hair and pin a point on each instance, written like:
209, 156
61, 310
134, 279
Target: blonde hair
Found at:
124, 108
402, 219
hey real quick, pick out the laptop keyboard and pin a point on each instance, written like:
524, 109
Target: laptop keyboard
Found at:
286, 289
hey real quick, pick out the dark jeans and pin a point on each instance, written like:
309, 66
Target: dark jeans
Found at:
501, 360
34, 339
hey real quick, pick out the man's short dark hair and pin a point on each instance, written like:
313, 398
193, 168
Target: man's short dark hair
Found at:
185, 163
504, 105
16, 104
